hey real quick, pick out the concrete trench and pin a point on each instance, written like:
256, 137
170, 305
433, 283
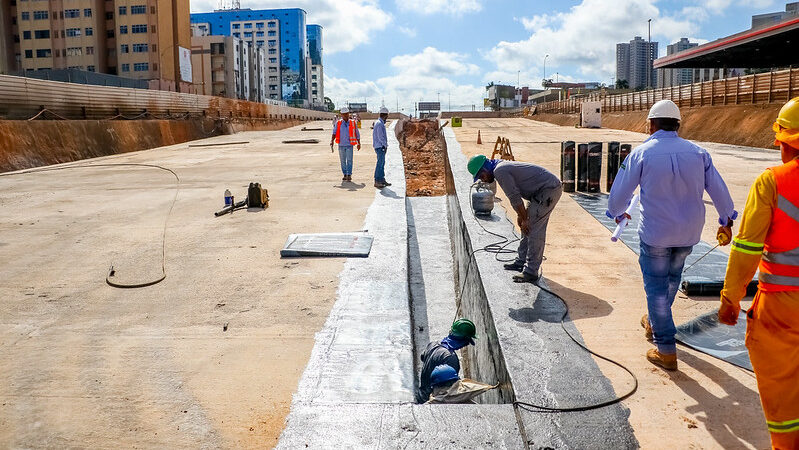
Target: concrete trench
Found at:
358, 388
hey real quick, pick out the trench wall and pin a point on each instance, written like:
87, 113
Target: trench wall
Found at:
483, 361
26, 144
745, 125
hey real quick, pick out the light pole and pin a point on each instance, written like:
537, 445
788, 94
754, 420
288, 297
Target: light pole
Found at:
649, 56
518, 78
545, 67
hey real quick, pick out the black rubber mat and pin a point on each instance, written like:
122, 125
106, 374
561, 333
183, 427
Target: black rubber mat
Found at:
707, 335
704, 278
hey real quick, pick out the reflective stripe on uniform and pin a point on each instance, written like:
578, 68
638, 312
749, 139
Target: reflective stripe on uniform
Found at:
789, 258
778, 279
751, 248
788, 208
788, 426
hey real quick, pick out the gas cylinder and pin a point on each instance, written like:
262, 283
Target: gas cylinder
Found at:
482, 199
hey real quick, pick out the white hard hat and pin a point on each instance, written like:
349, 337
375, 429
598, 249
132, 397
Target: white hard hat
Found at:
664, 109
345, 110
383, 110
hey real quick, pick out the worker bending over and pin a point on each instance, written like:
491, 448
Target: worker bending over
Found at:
346, 135
449, 388
523, 181
673, 174
461, 334
769, 239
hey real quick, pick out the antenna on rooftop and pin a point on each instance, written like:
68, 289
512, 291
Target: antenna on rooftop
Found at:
229, 4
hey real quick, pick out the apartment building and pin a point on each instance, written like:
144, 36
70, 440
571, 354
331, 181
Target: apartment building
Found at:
132, 38
282, 32
634, 62
315, 77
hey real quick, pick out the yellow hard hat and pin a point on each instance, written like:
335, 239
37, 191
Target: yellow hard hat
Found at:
789, 115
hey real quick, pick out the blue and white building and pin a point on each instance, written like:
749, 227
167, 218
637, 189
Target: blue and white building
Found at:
282, 34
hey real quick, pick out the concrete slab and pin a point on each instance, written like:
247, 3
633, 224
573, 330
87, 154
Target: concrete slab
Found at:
708, 402
88, 365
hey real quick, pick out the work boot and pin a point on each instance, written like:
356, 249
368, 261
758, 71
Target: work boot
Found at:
386, 183
344, 178
379, 185
514, 266
668, 362
647, 327
526, 278
349, 177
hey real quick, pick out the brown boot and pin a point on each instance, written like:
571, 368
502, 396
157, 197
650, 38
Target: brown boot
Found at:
647, 327
668, 362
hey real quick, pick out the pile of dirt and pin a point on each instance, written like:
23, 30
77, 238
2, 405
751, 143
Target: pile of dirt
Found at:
424, 153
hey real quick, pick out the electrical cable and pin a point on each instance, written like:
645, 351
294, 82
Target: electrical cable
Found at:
111, 270
498, 248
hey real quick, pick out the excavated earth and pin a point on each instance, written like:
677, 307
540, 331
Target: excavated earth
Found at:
424, 154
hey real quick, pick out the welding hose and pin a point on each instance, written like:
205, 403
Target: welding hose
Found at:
111, 270
499, 248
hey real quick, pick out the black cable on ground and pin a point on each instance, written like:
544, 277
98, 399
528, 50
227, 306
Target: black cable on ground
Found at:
499, 248
111, 270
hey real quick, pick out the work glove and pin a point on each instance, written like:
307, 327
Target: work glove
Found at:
728, 313
724, 235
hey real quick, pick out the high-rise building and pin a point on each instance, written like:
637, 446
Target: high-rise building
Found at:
676, 77
131, 38
282, 33
768, 19
634, 63
316, 75
9, 37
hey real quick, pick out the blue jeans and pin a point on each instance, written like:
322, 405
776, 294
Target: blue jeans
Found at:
345, 155
380, 167
662, 271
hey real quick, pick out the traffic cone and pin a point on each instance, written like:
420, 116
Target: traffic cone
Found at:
479, 141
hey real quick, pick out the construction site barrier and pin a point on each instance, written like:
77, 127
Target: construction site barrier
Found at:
26, 98
761, 88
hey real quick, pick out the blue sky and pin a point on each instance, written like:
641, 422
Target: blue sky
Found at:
403, 51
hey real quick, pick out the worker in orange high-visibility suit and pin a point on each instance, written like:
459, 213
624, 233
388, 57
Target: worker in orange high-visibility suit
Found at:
769, 239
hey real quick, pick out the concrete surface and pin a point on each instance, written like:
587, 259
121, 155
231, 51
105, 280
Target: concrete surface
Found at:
87, 365
707, 403
543, 365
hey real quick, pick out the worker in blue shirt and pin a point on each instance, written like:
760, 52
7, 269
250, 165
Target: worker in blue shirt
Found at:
380, 142
673, 174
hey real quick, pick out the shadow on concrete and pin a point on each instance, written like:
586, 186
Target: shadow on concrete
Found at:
386, 192
350, 186
418, 296
581, 304
728, 419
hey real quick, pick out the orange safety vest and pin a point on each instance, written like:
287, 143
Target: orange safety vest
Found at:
352, 126
779, 265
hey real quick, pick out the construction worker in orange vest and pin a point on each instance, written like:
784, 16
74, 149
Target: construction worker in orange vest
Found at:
769, 240
352, 137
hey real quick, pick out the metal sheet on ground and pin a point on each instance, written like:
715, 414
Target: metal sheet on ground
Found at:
724, 342
328, 244
704, 278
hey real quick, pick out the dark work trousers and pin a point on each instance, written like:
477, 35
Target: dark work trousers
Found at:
531, 247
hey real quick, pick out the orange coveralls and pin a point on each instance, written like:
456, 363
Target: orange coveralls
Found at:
772, 329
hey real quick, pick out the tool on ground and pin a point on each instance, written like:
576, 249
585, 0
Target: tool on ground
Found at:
624, 221
257, 197
502, 149
301, 141
312, 129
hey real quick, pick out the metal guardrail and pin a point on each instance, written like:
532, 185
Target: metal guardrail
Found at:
26, 98
760, 88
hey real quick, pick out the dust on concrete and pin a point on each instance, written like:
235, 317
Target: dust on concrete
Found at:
424, 154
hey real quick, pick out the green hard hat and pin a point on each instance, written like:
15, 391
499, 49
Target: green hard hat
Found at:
464, 328
475, 164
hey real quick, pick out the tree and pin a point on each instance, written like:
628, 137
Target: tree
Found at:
329, 104
622, 84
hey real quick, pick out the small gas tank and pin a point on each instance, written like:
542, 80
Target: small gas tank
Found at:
482, 199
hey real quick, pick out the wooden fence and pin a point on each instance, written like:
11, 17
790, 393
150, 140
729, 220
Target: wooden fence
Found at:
26, 98
760, 88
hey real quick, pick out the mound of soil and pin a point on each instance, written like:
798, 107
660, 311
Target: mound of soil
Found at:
424, 154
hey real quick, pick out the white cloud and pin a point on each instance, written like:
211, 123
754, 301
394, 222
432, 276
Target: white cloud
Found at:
586, 37
410, 32
347, 23
428, 75
454, 7
535, 22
